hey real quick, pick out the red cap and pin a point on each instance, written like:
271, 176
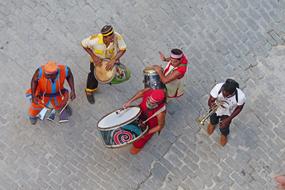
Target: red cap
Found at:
157, 95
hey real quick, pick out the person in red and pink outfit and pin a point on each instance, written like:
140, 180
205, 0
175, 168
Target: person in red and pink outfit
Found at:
153, 108
173, 74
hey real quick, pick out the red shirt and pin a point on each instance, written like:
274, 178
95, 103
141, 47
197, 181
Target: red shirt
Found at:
182, 68
146, 113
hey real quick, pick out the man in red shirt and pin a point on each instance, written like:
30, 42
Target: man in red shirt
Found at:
152, 106
173, 74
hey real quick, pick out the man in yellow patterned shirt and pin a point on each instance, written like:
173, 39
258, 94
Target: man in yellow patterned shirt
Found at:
106, 45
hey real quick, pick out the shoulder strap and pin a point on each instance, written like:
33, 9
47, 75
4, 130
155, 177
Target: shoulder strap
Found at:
40, 73
163, 108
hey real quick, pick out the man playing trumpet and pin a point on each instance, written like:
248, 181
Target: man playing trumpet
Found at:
233, 100
106, 45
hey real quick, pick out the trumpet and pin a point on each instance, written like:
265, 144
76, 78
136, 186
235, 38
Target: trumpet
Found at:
201, 120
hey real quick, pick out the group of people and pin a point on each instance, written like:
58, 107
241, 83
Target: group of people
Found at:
47, 87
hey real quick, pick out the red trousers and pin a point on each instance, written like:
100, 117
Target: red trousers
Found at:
143, 140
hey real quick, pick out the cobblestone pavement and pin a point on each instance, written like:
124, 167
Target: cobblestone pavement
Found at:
223, 38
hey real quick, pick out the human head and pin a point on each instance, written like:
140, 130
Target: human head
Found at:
108, 33
156, 98
229, 87
175, 57
50, 70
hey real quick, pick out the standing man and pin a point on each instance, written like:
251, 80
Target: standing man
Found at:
173, 74
47, 89
233, 101
153, 108
105, 45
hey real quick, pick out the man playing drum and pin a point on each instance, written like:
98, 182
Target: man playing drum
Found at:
47, 89
105, 45
232, 100
173, 74
153, 108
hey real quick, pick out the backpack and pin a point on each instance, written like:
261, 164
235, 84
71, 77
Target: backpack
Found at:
235, 83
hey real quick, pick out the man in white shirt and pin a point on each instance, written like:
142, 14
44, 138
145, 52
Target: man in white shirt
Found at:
233, 100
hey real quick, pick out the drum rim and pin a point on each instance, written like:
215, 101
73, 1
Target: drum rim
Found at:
125, 144
109, 80
117, 126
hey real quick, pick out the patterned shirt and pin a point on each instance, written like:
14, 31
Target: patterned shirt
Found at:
96, 44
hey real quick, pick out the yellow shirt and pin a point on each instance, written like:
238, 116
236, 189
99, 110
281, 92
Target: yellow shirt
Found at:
96, 44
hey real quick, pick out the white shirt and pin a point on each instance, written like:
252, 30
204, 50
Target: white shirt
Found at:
230, 102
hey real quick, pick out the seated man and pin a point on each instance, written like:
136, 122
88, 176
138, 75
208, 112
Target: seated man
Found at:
153, 108
173, 74
232, 99
47, 89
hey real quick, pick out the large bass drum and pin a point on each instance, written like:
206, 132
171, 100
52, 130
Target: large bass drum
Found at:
121, 127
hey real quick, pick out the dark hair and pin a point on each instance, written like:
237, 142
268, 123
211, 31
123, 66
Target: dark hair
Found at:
176, 51
230, 86
106, 29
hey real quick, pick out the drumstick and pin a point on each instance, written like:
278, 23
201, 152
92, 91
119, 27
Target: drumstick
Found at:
64, 106
155, 114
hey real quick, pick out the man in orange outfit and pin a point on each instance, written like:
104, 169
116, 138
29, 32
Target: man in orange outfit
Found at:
153, 108
47, 88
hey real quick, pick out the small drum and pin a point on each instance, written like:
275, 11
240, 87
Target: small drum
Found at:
121, 127
119, 73
102, 75
152, 79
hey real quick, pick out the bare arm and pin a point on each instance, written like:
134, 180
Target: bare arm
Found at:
138, 95
236, 112
211, 101
34, 85
161, 123
70, 80
119, 54
166, 79
163, 58
115, 59
97, 60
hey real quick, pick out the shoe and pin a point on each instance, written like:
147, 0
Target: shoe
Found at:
51, 116
223, 140
135, 150
210, 129
63, 117
33, 120
90, 97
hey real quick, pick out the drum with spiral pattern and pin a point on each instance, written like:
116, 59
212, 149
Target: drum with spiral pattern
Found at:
121, 127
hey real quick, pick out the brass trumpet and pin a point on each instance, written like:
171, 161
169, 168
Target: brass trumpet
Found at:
201, 120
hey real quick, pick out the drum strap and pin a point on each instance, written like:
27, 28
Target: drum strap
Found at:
155, 114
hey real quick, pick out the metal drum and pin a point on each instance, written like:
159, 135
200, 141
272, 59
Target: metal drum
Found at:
152, 79
121, 127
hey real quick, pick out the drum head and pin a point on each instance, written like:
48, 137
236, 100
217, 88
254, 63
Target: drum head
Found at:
102, 75
118, 118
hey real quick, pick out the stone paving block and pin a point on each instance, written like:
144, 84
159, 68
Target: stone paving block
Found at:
159, 172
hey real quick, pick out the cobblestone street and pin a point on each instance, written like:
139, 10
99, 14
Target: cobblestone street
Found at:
242, 39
